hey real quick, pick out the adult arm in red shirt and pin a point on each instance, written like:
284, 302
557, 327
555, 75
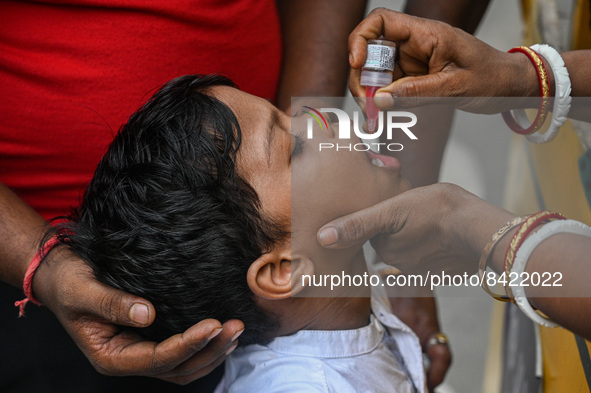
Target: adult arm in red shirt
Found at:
315, 52
90, 311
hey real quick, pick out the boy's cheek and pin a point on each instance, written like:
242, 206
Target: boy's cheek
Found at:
332, 184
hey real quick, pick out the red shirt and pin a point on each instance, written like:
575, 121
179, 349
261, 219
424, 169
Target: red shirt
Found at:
72, 72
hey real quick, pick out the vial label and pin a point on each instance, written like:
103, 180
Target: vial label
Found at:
380, 57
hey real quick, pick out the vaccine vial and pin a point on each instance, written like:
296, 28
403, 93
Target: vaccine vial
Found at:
377, 72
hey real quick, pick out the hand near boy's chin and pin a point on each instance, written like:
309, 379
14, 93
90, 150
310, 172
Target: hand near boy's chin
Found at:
93, 314
426, 230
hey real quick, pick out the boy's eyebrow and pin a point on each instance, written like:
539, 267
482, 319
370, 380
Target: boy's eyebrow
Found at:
270, 134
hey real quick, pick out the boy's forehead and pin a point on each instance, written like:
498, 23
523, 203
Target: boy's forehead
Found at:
236, 99
255, 117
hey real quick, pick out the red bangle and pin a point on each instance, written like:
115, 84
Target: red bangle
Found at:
543, 107
28, 281
519, 237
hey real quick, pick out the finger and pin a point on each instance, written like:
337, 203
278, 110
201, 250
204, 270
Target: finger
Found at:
186, 379
205, 360
361, 226
172, 352
369, 29
387, 24
355, 83
115, 306
413, 91
380, 22
133, 356
81, 293
440, 358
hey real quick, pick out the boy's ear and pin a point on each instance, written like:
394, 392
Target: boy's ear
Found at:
277, 274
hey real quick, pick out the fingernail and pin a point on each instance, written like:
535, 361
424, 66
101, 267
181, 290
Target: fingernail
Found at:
328, 236
215, 333
237, 334
351, 58
231, 349
139, 313
384, 99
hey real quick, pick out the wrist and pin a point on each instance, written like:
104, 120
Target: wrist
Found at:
34, 265
523, 79
461, 224
14, 266
48, 274
479, 221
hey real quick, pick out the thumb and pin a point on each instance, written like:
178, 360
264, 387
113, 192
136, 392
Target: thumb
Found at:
411, 91
361, 226
118, 307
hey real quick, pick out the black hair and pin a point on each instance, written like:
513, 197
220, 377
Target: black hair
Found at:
167, 217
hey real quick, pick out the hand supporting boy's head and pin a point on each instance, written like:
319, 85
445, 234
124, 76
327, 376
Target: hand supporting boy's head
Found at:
167, 217
192, 208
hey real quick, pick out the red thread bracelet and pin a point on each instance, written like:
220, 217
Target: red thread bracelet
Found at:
28, 281
544, 82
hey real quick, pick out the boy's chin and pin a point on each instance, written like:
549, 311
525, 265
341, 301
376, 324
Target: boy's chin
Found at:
401, 186
405, 185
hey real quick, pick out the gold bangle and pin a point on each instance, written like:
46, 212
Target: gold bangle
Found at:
544, 83
524, 230
545, 91
488, 250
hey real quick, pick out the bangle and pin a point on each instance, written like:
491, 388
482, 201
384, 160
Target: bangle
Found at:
487, 252
562, 98
522, 232
544, 83
526, 249
28, 281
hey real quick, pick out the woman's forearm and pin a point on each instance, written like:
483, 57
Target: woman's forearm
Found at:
562, 264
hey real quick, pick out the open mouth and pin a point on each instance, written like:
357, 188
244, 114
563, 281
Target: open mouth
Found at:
383, 161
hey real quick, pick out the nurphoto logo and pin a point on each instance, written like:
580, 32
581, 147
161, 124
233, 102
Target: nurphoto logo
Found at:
395, 121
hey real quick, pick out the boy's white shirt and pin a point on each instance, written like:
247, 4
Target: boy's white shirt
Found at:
359, 360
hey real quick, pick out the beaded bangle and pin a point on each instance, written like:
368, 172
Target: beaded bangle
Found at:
544, 83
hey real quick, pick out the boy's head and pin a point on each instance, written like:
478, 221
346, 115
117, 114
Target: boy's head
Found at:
191, 206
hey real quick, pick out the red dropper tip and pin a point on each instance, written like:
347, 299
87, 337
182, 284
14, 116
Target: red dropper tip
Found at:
370, 109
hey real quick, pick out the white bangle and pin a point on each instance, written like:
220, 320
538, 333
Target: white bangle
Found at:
562, 98
523, 254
